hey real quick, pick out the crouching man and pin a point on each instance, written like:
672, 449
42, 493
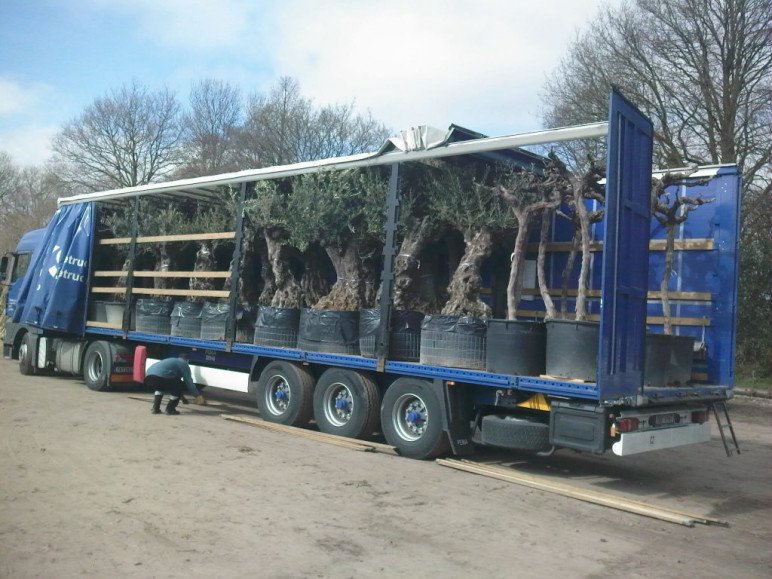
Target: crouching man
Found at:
170, 376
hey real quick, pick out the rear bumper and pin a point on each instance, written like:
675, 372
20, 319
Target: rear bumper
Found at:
656, 439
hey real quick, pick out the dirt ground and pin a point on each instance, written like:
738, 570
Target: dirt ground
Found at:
92, 484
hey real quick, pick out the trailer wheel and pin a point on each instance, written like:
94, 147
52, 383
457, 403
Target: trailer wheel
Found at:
346, 403
98, 366
411, 419
285, 393
26, 366
516, 432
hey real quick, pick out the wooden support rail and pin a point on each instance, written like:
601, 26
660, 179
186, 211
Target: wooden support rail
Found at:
181, 274
649, 320
652, 295
654, 245
162, 238
146, 291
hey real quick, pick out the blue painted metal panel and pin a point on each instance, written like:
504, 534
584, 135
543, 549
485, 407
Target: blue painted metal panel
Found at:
197, 343
625, 251
455, 374
147, 337
104, 331
283, 353
341, 360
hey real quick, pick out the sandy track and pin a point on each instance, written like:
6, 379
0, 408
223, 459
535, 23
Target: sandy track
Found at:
93, 484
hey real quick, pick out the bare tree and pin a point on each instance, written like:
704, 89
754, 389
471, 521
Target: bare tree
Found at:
210, 127
700, 68
671, 210
28, 200
284, 127
129, 137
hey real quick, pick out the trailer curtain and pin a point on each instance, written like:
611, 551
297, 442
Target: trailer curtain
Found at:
54, 291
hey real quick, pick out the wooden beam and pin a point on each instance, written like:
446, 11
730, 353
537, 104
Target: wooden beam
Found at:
653, 295
160, 238
181, 292
106, 325
649, 320
654, 245
180, 274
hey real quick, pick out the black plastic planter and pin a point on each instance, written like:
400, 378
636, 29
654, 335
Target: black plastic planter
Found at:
186, 319
405, 337
214, 319
681, 360
277, 327
246, 315
153, 316
668, 360
456, 342
329, 332
516, 347
97, 311
572, 349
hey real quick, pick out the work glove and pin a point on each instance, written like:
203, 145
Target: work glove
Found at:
200, 400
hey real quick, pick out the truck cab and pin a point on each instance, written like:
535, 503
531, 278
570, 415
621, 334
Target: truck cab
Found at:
13, 266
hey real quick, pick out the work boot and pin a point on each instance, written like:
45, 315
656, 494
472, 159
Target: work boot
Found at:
157, 404
171, 407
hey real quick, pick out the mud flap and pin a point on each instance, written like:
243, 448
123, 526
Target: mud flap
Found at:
456, 416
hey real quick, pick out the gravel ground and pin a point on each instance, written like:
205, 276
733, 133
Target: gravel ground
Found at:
92, 484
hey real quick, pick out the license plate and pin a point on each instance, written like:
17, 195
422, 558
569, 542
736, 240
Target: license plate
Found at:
664, 419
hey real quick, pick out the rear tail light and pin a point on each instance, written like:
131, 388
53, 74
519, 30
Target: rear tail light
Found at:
701, 416
627, 424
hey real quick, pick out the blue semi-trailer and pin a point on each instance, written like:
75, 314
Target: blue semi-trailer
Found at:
423, 410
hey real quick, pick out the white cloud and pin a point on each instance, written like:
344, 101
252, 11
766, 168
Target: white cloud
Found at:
476, 63
16, 97
28, 144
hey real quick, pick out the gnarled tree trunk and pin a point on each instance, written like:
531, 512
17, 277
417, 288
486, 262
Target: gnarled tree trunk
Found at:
347, 293
515, 284
546, 222
664, 284
204, 262
584, 273
465, 285
162, 263
314, 281
407, 283
288, 292
567, 271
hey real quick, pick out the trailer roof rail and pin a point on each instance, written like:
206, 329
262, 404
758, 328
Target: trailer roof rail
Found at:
210, 186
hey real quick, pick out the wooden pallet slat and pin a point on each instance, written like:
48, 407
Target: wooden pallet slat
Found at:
161, 238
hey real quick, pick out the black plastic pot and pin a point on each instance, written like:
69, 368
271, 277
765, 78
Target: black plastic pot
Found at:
453, 341
330, 332
680, 367
404, 339
97, 311
572, 349
516, 347
277, 327
668, 360
246, 315
153, 316
214, 319
186, 319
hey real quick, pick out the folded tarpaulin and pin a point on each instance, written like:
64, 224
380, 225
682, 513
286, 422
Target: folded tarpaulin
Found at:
54, 291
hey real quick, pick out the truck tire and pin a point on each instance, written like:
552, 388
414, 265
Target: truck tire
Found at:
285, 394
515, 432
346, 403
26, 366
98, 366
411, 419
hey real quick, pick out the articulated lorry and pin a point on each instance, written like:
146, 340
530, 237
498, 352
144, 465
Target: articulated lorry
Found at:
422, 408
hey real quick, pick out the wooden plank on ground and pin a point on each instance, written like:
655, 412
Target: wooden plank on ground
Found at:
351, 443
595, 497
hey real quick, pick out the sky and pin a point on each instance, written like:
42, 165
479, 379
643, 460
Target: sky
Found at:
477, 63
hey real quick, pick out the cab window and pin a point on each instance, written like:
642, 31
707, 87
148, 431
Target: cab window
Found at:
20, 266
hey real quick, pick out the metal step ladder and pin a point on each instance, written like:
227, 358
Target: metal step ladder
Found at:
721, 406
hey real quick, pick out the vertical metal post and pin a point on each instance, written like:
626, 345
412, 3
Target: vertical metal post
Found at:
387, 273
230, 328
132, 258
